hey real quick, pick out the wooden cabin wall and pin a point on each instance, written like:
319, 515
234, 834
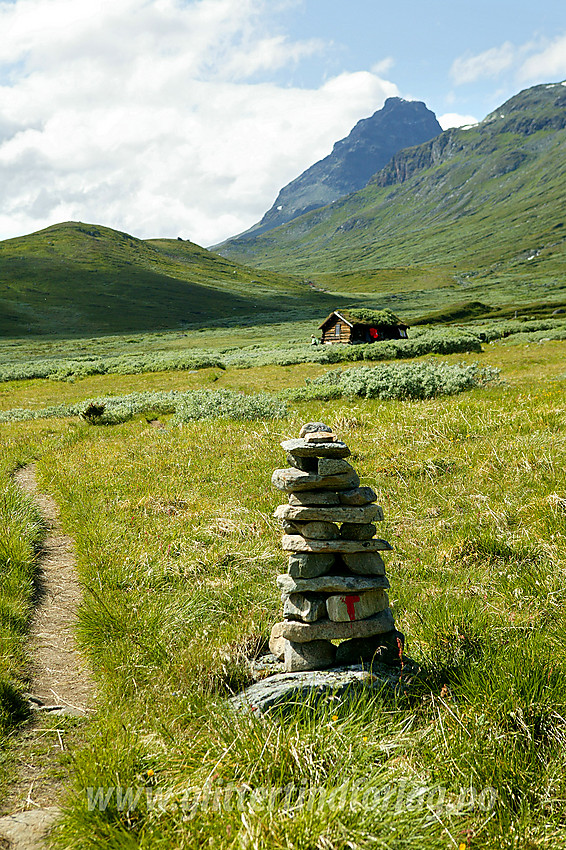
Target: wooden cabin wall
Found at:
329, 335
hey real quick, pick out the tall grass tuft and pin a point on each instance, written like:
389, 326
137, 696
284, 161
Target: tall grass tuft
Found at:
20, 530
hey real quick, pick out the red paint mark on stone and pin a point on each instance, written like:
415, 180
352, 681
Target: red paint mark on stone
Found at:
351, 605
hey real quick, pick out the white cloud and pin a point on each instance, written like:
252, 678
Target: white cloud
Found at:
454, 119
490, 63
150, 116
383, 66
547, 64
536, 61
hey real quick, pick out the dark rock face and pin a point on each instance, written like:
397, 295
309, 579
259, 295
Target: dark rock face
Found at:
367, 149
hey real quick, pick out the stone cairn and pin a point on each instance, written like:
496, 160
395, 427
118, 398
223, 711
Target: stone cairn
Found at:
336, 587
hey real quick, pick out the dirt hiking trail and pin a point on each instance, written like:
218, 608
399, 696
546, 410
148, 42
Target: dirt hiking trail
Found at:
61, 685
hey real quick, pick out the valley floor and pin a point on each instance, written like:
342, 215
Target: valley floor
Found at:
177, 553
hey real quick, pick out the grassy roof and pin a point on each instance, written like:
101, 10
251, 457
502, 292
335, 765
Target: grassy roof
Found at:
384, 318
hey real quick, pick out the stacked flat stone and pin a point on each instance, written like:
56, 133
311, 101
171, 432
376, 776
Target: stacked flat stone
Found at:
336, 587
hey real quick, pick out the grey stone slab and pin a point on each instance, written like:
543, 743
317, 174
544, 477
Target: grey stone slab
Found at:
346, 607
296, 543
306, 608
314, 427
314, 497
355, 531
364, 563
321, 437
315, 655
292, 480
328, 630
334, 466
328, 514
310, 564
358, 496
331, 584
305, 464
307, 448
277, 641
318, 530
28, 830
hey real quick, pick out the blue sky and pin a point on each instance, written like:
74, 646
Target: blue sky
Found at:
186, 117
428, 47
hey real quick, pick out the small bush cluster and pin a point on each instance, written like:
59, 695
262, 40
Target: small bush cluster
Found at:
65, 369
193, 404
537, 336
23, 414
501, 329
391, 381
444, 341
227, 404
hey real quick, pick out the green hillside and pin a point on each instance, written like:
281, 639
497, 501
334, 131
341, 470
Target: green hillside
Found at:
75, 278
475, 207
474, 215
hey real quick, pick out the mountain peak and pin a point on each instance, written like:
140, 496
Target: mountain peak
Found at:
366, 149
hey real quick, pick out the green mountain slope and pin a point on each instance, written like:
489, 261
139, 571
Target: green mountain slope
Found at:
76, 278
479, 204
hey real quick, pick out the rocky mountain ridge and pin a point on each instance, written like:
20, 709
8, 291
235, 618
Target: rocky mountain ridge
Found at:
353, 160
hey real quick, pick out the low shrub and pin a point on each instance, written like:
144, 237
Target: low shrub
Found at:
193, 404
22, 414
511, 327
64, 369
407, 380
228, 404
444, 341
111, 410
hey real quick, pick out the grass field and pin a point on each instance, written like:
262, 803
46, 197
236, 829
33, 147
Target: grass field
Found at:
177, 554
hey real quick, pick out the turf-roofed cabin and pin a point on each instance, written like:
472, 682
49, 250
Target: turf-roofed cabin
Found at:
362, 326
